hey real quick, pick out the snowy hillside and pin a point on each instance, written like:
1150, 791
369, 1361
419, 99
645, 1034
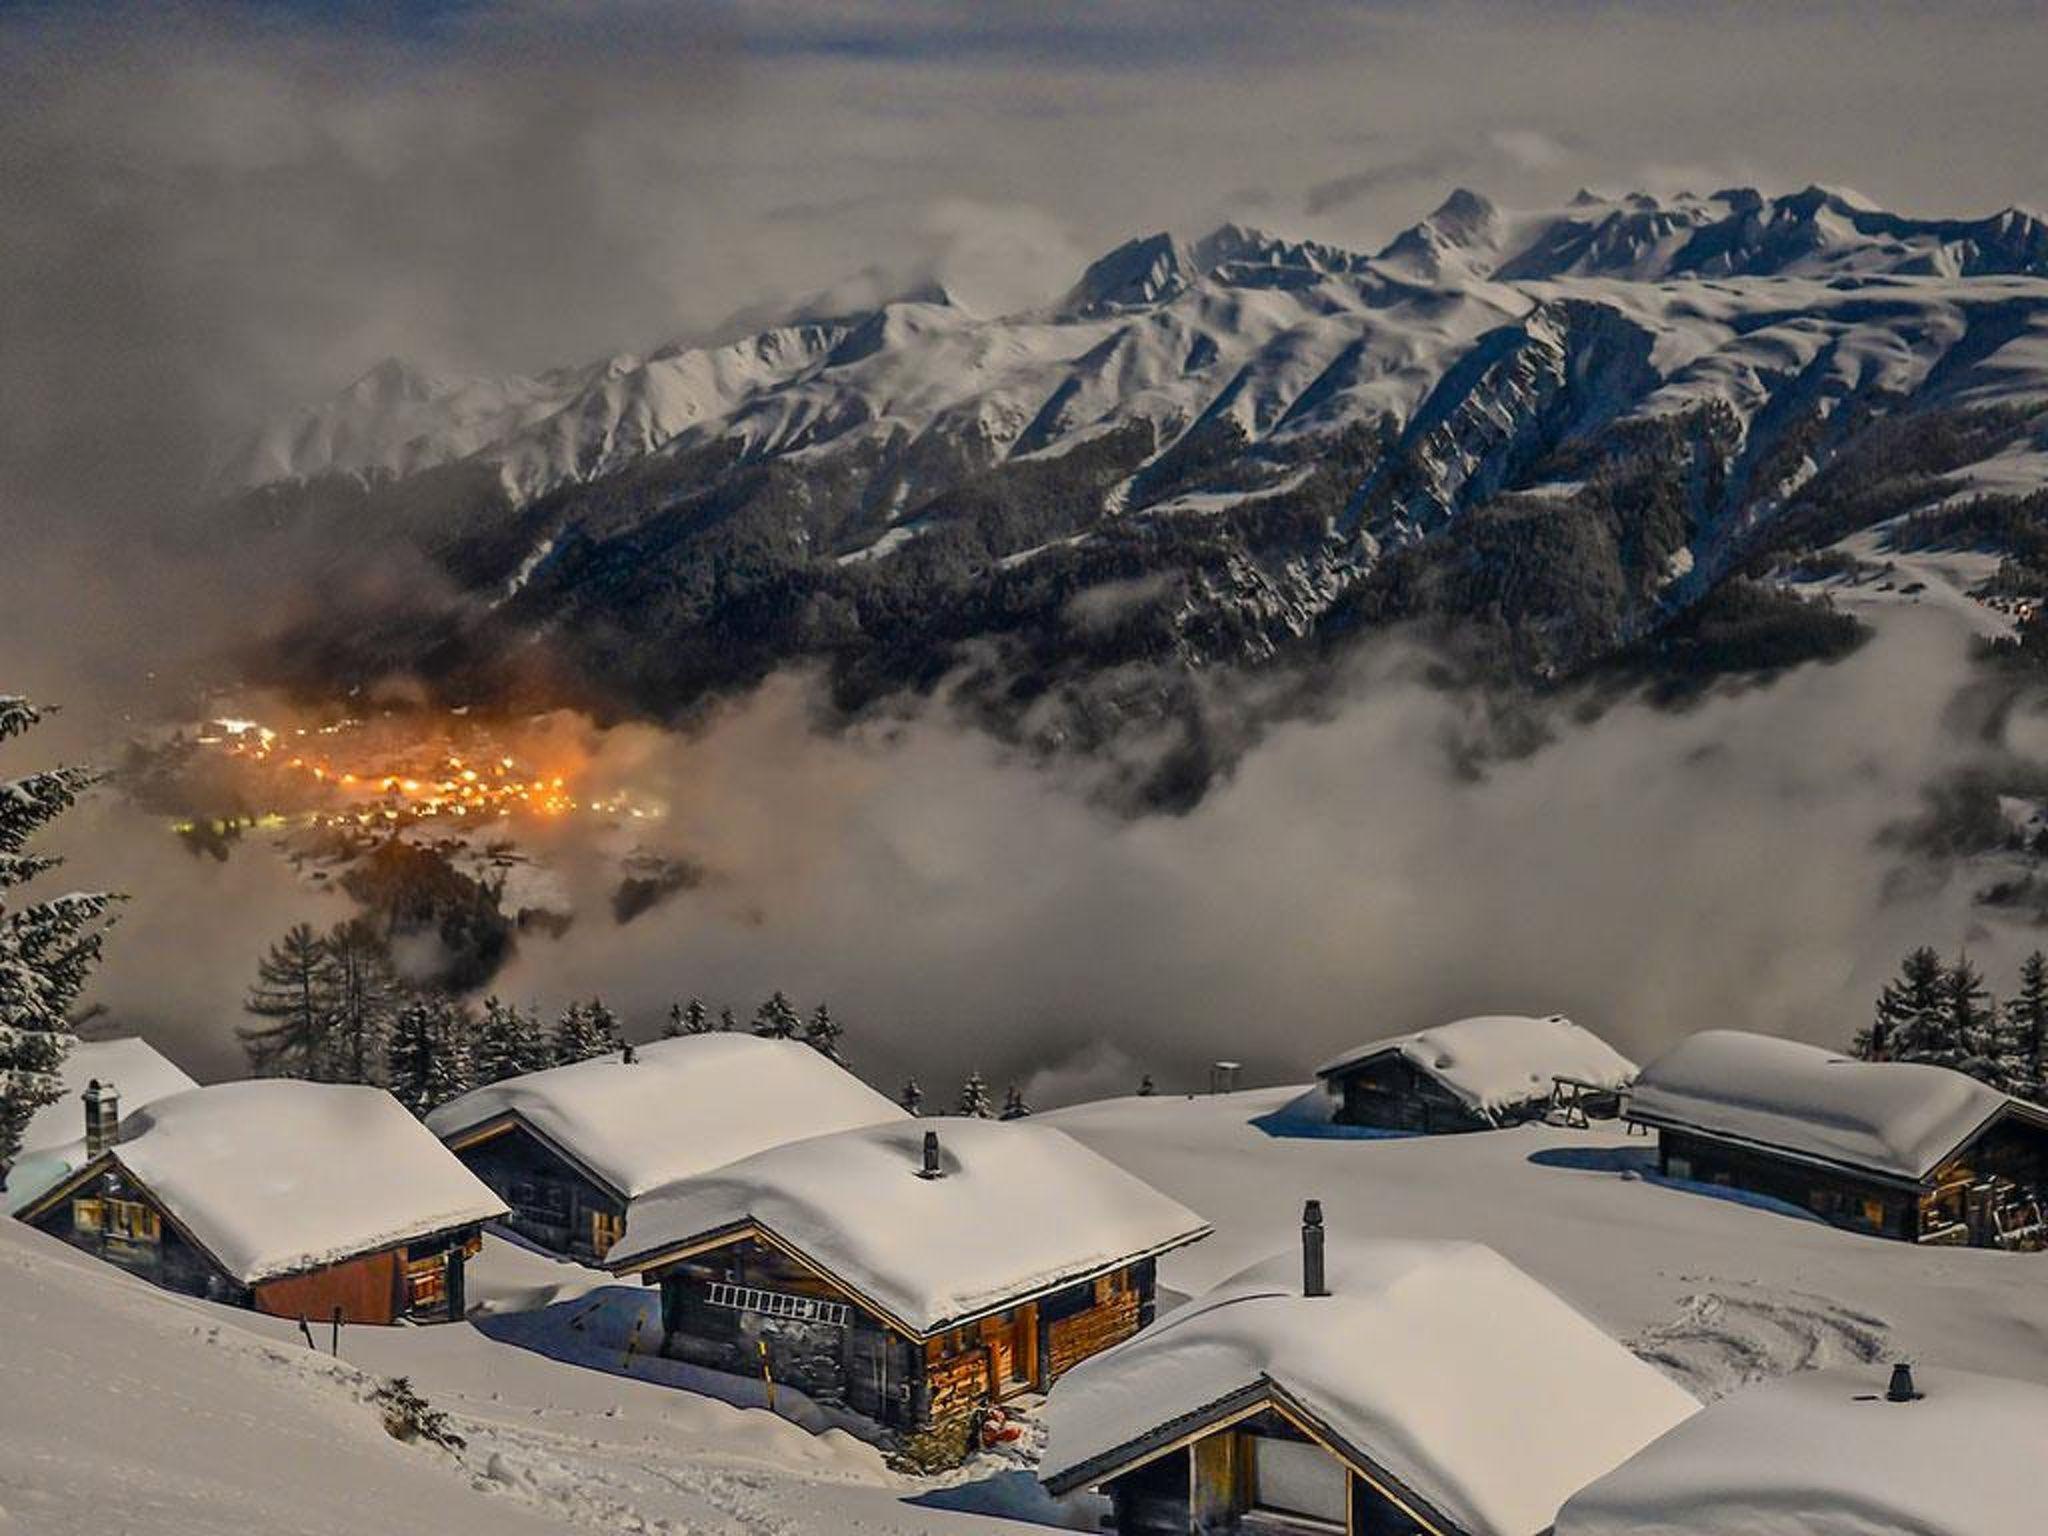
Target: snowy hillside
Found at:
1569, 426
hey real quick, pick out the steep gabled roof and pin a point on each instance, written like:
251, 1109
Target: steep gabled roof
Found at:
1437, 1368
1894, 1119
53, 1146
1497, 1061
276, 1177
680, 1107
1021, 1209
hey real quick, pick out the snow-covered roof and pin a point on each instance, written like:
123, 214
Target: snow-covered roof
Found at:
1021, 1208
53, 1145
1439, 1364
273, 1177
681, 1106
1499, 1060
1891, 1118
1821, 1453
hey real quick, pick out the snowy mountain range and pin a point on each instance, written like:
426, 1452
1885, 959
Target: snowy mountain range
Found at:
1564, 428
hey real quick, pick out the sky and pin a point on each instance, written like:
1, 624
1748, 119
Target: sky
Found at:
213, 213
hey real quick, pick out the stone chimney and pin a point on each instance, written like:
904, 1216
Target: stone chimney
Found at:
1901, 1389
931, 1168
102, 1117
1313, 1282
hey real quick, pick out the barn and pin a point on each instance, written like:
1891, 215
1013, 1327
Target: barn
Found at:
1398, 1388
1476, 1074
910, 1272
1845, 1451
311, 1200
1894, 1149
570, 1147
53, 1144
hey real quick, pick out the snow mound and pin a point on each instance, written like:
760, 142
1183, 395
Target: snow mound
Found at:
1440, 1363
275, 1177
1497, 1061
1823, 1454
680, 1107
1888, 1117
1019, 1209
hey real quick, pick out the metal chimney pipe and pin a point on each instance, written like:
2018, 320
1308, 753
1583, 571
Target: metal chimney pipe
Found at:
102, 1116
1901, 1389
931, 1168
1312, 1279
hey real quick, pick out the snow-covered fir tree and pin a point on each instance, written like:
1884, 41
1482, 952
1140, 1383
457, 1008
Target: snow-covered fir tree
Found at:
777, 1019
1014, 1107
1145, 1086
508, 1042
822, 1034
975, 1102
292, 994
1966, 1043
691, 1018
2025, 1038
585, 1030
47, 947
1910, 1012
728, 1021
911, 1096
428, 1061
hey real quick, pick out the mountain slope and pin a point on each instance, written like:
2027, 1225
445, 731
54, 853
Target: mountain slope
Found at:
1559, 428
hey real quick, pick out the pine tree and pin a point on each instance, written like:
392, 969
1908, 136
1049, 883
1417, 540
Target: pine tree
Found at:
911, 1097
2026, 1045
975, 1103
47, 948
777, 1019
1145, 1088
585, 1030
692, 1018
428, 1060
1014, 1107
363, 999
727, 1023
1910, 1011
822, 1035
292, 991
1965, 1042
508, 1042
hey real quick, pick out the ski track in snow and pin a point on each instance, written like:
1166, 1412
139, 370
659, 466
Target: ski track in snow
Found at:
1726, 1338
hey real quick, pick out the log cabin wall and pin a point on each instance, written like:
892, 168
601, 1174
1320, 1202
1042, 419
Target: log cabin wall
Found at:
117, 1221
364, 1290
1839, 1197
1388, 1093
1086, 1319
553, 1202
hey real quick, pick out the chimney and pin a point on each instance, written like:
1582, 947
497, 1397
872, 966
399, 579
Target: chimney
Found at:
1902, 1389
1312, 1281
102, 1117
931, 1168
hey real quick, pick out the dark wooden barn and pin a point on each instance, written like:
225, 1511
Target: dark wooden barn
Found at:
911, 1274
1898, 1150
568, 1149
1475, 1075
308, 1200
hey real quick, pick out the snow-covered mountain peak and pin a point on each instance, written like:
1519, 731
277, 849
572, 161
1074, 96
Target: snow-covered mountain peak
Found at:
1140, 272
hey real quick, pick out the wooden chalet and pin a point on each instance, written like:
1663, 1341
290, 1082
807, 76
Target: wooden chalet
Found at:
1388, 1389
312, 1200
53, 1145
1477, 1074
1899, 1150
569, 1148
910, 1273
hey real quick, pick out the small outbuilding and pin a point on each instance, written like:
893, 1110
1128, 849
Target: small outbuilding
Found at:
569, 1148
1890, 1148
53, 1144
322, 1201
1477, 1074
912, 1272
1839, 1452
1393, 1387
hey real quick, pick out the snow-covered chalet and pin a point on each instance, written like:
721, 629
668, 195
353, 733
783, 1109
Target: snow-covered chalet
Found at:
570, 1148
1390, 1387
322, 1201
1475, 1075
912, 1272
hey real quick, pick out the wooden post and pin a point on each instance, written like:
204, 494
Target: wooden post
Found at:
767, 1373
632, 1343
307, 1330
335, 1348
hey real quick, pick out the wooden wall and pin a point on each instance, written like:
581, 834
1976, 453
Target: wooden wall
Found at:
553, 1204
366, 1289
